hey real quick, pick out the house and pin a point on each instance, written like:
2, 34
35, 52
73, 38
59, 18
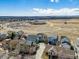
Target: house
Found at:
53, 39
66, 43
56, 52
31, 39
64, 39
66, 54
76, 45
41, 37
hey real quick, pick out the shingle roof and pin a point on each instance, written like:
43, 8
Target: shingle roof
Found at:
61, 52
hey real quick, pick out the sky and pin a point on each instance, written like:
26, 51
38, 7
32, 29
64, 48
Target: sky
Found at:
39, 7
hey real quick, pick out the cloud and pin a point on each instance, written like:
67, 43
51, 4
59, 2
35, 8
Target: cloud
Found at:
54, 1
56, 12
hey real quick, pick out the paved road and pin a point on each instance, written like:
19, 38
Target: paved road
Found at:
40, 51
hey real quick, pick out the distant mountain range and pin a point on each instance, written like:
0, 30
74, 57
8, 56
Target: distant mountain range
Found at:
21, 18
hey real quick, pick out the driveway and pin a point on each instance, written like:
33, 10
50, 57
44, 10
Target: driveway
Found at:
40, 51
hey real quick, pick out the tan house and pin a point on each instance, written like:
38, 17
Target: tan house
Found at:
56, 52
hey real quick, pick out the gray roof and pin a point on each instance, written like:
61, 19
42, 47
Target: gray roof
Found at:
32, 38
